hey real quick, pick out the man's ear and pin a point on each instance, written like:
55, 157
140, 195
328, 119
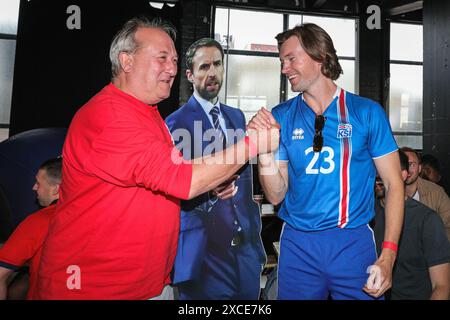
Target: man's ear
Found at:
126, 61
55, 189
190, 76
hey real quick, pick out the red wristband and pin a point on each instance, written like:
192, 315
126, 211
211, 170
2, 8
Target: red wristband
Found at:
389, 245
251, 146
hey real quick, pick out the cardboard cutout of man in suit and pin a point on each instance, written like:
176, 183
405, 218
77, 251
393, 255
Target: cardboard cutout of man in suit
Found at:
220, 252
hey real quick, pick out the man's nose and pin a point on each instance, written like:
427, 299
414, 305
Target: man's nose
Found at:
285, 68
211, 75
212, 72
172, 68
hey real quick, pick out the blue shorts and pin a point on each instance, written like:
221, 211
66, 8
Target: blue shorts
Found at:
319, 264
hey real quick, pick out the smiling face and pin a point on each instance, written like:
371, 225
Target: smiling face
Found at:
207, 72
300, 69
151, 69
414, 167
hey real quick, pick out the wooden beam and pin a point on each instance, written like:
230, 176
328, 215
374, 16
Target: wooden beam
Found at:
319, 3
410, 7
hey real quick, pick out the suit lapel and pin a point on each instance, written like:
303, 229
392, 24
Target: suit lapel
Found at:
199, 114
230, 121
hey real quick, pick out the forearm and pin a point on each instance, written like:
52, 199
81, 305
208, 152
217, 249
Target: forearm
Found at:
440, 292
394, 209
388, 168
272, 182
210, 171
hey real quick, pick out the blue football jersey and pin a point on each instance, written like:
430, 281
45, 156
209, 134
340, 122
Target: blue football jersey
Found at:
333, 187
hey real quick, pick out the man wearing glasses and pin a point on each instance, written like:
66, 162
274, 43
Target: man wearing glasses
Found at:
332, 143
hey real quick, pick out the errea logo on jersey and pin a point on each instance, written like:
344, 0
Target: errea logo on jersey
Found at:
297, 134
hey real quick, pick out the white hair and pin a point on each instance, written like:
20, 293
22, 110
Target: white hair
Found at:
124, 40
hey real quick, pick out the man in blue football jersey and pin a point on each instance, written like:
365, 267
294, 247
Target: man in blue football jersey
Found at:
331, 144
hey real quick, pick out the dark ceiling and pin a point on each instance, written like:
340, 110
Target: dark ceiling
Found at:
404, 10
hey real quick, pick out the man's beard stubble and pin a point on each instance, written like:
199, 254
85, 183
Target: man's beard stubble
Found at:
209, 95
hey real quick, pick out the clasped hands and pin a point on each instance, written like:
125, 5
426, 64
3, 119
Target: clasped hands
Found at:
264, 132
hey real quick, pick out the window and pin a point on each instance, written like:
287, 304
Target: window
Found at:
244, 31
252, 66
406, 85
9, 13
252, 83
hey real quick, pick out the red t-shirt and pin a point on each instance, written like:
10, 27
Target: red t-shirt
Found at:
25, 245
117, 219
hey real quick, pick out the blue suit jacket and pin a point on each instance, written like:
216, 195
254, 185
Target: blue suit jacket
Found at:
203, 225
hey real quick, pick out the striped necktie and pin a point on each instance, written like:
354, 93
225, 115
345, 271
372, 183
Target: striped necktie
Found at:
215, 111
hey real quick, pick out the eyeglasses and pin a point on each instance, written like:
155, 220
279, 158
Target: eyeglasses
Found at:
319, 123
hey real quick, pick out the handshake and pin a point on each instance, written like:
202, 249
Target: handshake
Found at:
264, 132
264, 136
